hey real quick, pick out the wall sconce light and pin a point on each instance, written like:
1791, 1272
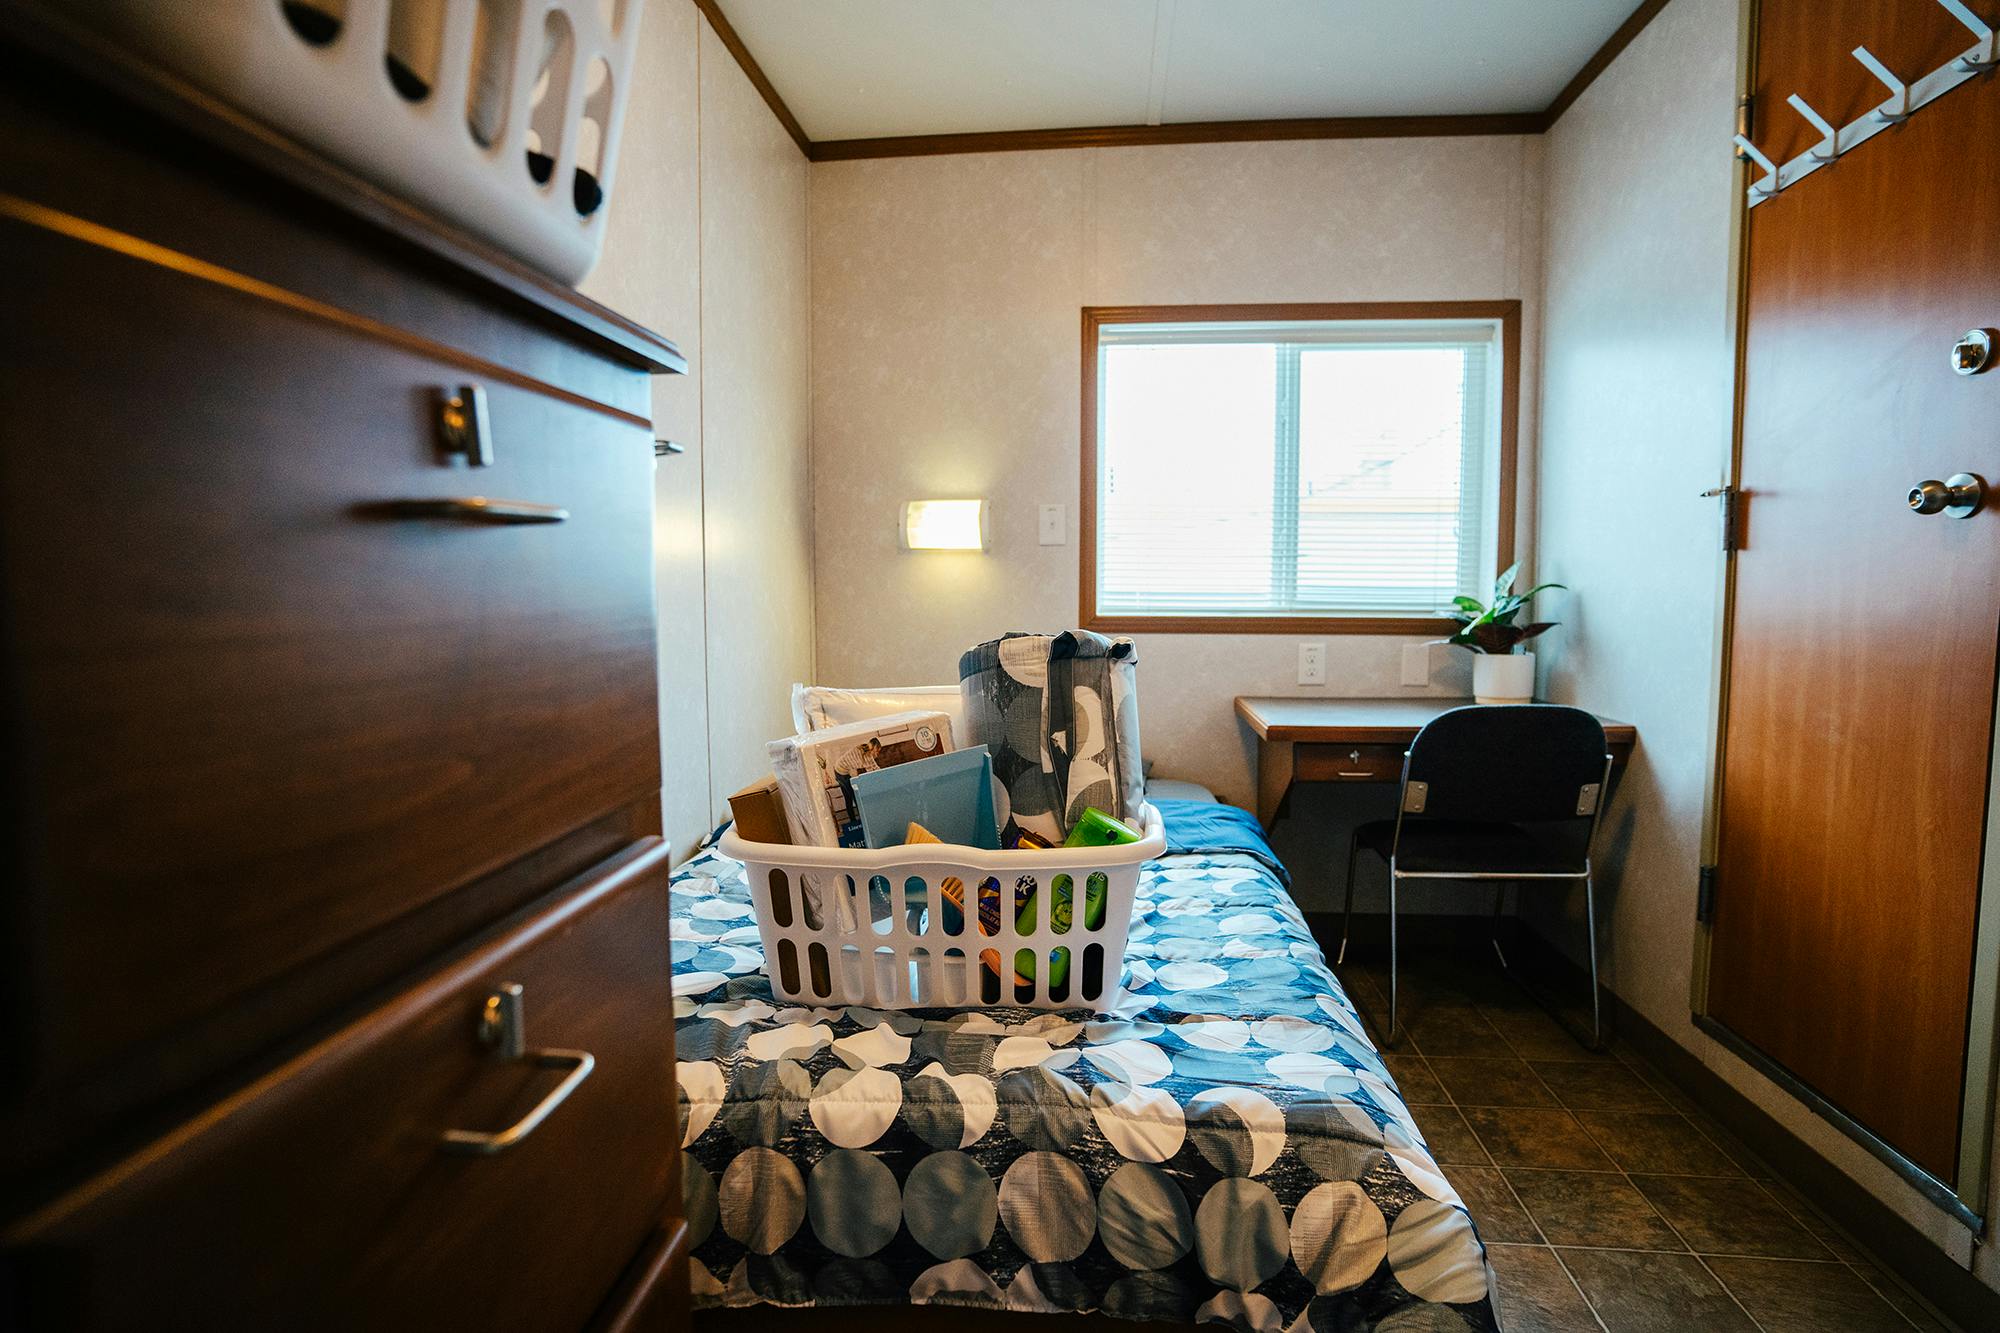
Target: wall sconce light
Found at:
944, 525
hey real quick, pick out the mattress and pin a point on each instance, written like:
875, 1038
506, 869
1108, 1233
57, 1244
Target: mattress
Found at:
1226, 1145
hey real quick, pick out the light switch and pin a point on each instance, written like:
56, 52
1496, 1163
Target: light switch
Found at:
1312, 664
1055, 525
1416, 664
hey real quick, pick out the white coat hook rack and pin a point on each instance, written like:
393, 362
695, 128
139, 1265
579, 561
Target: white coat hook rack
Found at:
1987, 54
1898, 108
1904, 101
1830, 147
1769, 186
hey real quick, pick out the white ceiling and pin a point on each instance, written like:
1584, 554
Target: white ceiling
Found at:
859, 69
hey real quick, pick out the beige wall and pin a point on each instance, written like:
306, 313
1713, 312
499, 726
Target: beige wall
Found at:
946, 300
707, 244
1638, 378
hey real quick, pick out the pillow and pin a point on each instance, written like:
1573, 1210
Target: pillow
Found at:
816, 707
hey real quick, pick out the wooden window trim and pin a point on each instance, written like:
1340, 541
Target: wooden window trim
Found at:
1508, 313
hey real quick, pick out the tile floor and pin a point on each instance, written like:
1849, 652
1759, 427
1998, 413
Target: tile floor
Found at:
1609, 1201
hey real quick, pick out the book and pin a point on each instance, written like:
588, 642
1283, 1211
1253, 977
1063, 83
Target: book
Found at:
950, 795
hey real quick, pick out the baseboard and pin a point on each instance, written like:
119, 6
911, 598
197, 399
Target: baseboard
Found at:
1904, 1250
1907, 1252
1901, 1247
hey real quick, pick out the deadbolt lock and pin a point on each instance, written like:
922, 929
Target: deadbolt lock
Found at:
1971, 352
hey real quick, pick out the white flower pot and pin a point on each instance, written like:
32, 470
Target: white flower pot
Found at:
1505, 678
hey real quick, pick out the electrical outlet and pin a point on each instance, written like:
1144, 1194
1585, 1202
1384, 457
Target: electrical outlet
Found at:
1312, 664
1055, 525
1416, 664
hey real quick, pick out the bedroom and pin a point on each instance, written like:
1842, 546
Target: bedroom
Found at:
376, 696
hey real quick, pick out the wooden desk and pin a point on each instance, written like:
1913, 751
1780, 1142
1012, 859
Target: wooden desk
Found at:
1353, 740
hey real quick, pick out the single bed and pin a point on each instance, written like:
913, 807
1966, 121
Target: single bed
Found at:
1226, 1145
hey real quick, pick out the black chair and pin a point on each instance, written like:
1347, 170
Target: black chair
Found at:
1495, 792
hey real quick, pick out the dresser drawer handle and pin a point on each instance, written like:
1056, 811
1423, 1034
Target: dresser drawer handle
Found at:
471, 509
475, 1142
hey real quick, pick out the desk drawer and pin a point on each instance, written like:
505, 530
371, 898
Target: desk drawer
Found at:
1348, 763
264, 723
324, 1197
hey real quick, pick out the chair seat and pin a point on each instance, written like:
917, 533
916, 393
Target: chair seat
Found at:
1460, 847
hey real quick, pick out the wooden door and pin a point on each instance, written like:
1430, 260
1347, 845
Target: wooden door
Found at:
1863, 649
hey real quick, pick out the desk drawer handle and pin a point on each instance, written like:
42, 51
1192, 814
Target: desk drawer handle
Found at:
473, 509
1353, 773
478, 1143
503, 1027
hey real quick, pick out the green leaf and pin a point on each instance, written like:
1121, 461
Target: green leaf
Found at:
1505, 583
1471, 605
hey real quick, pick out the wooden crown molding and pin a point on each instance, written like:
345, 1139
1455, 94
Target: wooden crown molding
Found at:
1634, 24
1205, 131
712, 11
1208, 131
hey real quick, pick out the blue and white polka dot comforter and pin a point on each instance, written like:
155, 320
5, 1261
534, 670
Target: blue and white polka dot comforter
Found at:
1225, 1146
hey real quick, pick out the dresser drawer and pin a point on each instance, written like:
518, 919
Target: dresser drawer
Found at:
653, 1297
1348, 763
259, 709
325, 1197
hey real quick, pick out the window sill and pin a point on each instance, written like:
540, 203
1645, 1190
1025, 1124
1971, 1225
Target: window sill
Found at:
1308, 624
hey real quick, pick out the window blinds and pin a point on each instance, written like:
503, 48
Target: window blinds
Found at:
1300, 468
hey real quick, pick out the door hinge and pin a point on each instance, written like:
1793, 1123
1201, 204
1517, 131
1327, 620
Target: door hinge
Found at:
1745, 121
1704, 896
1728, 496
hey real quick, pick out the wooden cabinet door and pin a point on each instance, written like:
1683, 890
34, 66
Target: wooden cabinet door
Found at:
1861, 683
268, 733
325, 1199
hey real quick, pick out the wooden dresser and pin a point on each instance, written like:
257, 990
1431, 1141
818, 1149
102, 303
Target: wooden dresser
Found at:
334, 969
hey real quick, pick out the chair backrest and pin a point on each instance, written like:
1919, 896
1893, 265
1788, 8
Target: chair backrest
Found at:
1520, 763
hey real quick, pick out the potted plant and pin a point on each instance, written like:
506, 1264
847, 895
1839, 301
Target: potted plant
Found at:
1501, 672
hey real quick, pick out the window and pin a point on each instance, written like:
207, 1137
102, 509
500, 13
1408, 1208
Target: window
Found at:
1295, 468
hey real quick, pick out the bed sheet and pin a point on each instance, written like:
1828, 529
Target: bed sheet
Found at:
1225, 1145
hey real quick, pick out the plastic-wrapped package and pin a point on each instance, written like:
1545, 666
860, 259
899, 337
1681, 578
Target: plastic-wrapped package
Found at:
815, 771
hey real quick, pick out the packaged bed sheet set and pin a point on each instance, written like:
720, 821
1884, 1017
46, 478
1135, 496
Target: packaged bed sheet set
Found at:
815, 772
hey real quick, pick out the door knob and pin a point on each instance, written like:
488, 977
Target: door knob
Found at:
1958, 495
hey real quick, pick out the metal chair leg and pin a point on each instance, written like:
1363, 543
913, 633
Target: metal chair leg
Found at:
1390, 1040
1554, 1009
1499, 901
1347, 918
1596, 993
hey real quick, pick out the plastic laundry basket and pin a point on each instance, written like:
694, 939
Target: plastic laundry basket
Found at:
849, 926
500, 115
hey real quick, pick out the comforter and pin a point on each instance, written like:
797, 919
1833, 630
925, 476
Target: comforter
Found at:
1225, 1145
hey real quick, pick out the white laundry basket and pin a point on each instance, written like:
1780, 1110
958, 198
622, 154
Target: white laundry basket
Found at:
848, 926
500, 115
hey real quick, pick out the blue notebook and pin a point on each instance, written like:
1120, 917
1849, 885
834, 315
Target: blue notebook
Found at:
950, 794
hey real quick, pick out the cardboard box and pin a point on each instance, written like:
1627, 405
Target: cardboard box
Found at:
760, 813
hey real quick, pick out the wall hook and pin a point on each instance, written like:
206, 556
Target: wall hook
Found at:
1899, 92
1828, 150
1770, 184
1989, 55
